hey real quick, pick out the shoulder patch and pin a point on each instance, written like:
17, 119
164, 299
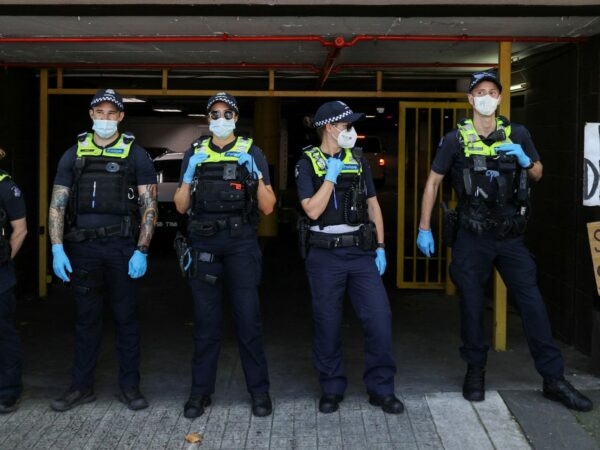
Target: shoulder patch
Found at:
16, 191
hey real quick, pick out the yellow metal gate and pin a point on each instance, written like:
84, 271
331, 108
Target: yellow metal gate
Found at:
421, 126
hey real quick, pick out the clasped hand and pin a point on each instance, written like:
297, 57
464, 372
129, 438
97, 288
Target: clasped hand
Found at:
517, 151
248, 162
195, 160
334, 167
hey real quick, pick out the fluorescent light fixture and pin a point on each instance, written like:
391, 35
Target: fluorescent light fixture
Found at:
380, 109
166, 110
369, 116
519, 87
196, 115
133, 100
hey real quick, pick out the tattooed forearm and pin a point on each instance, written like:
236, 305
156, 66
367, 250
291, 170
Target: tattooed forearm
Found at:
56, 216
149, 214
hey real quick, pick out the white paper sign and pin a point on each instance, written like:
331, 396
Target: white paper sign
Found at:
591, 161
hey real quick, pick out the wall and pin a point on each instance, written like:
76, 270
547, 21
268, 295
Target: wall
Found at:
555, 110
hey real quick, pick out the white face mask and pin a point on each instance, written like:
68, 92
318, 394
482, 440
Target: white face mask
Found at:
486, 105
347, 139
105, 128
222, 127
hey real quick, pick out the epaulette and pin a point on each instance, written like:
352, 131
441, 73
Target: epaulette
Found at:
198, 142
128, 137
308, 147
504, 121
81, 137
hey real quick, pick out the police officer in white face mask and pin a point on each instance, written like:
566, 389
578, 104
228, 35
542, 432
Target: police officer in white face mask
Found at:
491, 161
346, 254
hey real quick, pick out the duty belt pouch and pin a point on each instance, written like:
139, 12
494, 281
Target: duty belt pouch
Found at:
368, 237
303, 228
450, 225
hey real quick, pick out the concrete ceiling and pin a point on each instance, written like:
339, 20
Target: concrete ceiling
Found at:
308, 45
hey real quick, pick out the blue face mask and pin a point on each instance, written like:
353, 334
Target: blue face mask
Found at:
222, 128
105, 128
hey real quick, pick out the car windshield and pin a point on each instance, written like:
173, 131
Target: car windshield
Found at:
369, 144
168, 170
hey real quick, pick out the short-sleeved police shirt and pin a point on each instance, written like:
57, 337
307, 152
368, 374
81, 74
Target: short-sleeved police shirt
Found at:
13, 203
305, 176
450, 153
140, 166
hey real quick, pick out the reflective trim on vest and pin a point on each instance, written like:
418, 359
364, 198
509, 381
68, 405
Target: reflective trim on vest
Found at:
472, 143
319, 162
242, 145
86, 146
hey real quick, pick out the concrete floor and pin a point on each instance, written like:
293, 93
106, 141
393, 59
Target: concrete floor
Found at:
429, 378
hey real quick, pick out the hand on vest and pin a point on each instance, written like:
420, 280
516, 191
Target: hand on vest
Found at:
195, 160
425, 242
517, 151
60, 263
380, 260
247, 161
137, 264
334, 167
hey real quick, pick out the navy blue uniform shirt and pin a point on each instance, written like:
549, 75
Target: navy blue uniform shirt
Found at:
450, 152
140, 166
305, 174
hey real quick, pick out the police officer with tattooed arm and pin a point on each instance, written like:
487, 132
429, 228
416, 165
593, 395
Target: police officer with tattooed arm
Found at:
345, 254
101, 220
13, 229
224, 184
491, 162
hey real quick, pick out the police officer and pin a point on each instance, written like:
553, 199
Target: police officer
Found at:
490, 161
346, 253
224, 184
102, 215
13, 229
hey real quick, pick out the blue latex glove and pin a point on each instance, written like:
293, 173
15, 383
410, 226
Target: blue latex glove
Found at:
425, 242
517, 151
247, 160
334, 167
137, 264
195, 160
380, 260
61, 263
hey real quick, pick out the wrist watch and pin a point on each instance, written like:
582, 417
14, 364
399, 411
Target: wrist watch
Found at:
381, 245
142, 249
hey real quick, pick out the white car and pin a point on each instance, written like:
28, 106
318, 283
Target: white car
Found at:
168, 166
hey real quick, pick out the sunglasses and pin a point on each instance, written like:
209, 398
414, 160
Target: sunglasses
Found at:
214, 115
348, 126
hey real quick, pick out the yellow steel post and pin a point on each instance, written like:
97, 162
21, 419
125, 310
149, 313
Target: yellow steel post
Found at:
266, 134
499, 338
43, 187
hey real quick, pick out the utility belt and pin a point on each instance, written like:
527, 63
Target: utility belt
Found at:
201, 227
504, 227
363, 238
189, 260
123, 229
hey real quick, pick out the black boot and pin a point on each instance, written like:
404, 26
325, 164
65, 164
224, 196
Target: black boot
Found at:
474, 385
561, 390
